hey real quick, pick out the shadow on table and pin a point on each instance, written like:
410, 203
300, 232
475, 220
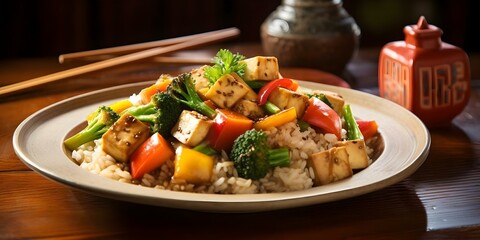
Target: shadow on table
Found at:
392, 212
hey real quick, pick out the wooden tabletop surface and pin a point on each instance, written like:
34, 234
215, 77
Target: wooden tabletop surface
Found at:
441, 200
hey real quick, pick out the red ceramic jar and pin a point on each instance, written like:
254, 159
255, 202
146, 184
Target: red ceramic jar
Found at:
425, 75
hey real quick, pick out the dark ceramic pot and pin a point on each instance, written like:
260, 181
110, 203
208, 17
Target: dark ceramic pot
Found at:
316, 34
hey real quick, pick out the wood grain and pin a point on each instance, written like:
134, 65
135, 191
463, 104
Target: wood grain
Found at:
121, 60
439, 201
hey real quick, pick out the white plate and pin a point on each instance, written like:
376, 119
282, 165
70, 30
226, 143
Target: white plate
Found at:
38, 142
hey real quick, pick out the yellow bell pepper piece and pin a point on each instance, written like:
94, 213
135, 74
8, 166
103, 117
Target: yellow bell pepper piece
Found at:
117, 107
121, 105
193, 166
277, 119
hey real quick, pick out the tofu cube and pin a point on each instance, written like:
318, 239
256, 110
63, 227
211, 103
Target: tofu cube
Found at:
191, 128
124, 136
251, 94
249, 109
330, 165
357, 153
261, 68
226, 91
198, 76
285, 98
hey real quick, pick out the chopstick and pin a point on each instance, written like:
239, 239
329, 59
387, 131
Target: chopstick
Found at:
183, 60
198, 41
160, 59
131, 48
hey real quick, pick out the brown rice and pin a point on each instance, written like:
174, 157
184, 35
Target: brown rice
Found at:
225, 179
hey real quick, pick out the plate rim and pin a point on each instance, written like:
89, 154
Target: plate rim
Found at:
217, 202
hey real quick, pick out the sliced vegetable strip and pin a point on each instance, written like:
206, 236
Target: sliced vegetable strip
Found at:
265, 91
277, 119
353, 132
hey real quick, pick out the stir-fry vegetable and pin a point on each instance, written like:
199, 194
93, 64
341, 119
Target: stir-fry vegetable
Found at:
322, 97
271, 108
332, 99
227, 126
369, 128
205, 149
169, 109
96, 127
192, 166
151, 154
160, 86
147, 113
353, 132
253, 157
277, 119
182, 88
320, 115
256, 84
161, 113
117, 107
265, 91
208, 128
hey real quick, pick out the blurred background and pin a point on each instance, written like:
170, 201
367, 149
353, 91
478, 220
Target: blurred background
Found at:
38, 28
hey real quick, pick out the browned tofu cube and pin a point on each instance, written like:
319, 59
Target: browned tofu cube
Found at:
124, 136
357, 153
191, 128
249, 109
199, 78
285, 98
226, 91
330, 165
261, 68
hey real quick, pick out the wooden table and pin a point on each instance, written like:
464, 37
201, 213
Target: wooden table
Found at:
440, 200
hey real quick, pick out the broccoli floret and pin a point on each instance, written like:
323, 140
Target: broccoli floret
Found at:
161, 113
170, 110
96, 127
252, 157
147, 113
182, 88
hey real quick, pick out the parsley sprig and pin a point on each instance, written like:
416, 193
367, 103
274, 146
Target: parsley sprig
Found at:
225, 62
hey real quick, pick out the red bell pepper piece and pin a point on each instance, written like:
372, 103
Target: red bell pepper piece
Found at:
265, 91
227, 126
149, 155
369, 128
320, 115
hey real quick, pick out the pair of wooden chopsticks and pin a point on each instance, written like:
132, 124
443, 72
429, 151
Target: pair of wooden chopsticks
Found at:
139, 52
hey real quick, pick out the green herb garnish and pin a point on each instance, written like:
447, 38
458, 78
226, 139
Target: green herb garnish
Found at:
225, 62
